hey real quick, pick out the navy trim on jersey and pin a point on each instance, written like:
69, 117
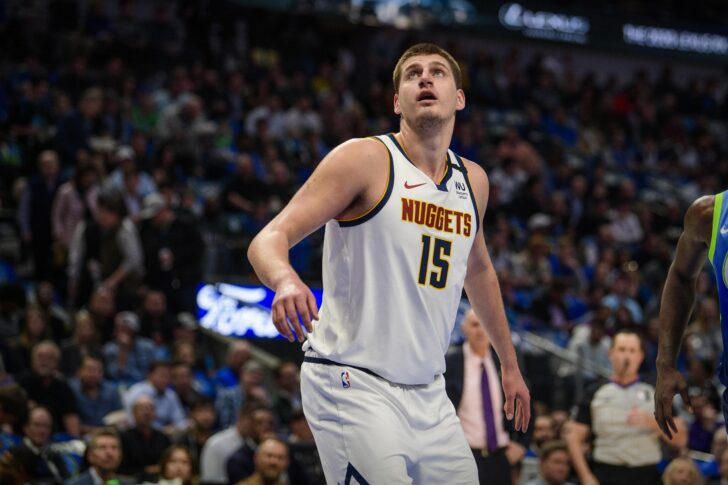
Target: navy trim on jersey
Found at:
352, 472
448, 164
382, 202
321, 360
470, 189
443, 185
399, 147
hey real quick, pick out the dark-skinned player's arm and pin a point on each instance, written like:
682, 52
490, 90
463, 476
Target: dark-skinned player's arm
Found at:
481, 285
340, 180
678, 299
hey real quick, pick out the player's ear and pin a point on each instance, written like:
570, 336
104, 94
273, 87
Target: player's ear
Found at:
397, 108
460, 100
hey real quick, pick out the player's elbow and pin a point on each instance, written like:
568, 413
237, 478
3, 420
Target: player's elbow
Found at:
254, 248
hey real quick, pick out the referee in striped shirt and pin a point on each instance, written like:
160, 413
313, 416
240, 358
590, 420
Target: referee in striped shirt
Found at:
619, 417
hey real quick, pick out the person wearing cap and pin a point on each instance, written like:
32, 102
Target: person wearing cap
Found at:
129, 356
173, 252
106, 251
125, 158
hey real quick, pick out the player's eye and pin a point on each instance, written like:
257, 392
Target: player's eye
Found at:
412, 74
438, 72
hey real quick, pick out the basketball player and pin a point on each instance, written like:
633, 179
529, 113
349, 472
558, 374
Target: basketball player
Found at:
403, 236
705, 236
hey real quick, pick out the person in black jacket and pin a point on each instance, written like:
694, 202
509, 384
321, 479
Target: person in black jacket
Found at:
173, 252
34, 214
470, 370
44, 464
142, 446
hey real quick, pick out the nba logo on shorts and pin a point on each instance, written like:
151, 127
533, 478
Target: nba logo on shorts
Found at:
345, 379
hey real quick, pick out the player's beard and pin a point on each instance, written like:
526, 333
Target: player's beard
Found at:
429, 122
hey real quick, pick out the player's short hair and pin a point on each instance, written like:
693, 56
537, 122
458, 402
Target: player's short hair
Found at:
425, 49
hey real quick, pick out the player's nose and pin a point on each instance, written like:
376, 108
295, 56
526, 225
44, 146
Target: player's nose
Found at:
425, 79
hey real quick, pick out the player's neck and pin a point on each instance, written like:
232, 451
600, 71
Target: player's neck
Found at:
428, 151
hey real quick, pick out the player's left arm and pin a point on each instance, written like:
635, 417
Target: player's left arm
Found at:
481, 285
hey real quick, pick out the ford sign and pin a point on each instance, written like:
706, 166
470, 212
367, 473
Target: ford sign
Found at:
238, 310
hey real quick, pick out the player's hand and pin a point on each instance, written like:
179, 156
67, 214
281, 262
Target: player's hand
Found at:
669, 383
518, 399
293, 300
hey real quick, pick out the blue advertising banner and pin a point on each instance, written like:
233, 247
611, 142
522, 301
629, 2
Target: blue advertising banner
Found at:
239, 310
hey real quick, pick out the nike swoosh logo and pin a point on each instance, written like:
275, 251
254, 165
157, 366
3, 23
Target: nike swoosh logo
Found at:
408, 186
724, 230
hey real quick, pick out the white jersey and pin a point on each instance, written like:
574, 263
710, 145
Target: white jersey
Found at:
393, 277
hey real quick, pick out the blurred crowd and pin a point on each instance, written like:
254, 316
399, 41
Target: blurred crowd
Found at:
142, 144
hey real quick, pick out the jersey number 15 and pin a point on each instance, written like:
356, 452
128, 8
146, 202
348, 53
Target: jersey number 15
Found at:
439, 253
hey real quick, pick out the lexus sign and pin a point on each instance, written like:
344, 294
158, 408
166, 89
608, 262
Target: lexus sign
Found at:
544, 25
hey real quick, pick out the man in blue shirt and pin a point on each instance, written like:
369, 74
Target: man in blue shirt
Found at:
170, 415
95, 396
238, 354
129, 355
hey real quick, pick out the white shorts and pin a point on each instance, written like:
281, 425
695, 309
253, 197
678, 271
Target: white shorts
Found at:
371, 431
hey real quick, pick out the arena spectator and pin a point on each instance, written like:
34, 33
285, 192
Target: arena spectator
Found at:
46, 464
75, 202
142, 444
231, 400
56, 317
173, 251
96, 397
129, 356
287, 400
237, 355
34, 330
260, 425
156, 323
220, 447
176, 465
271, 461
126, 163
184, 351
103, 455
202, 424
106, 252
302, 448
544, 430
681, 471
102, 309
13, 414
84, 341
182, 384
45, 388
554, 466
34, 213
169, 413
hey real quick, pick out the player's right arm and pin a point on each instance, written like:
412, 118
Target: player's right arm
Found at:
678, 299
345, 184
